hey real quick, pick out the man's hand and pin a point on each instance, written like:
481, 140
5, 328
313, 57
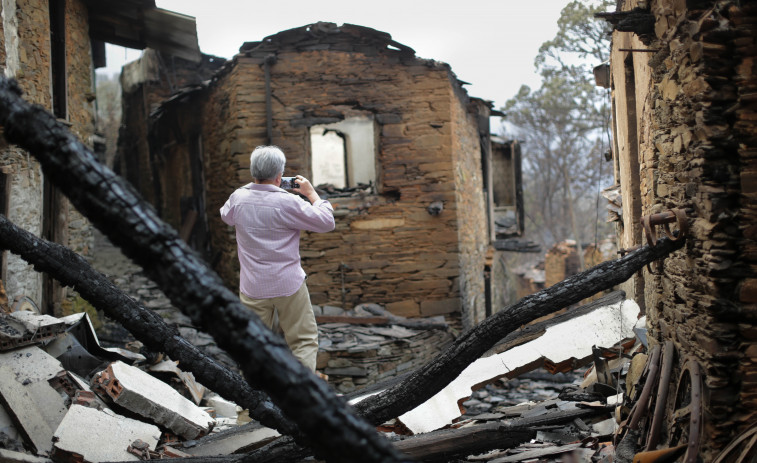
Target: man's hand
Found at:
306, 189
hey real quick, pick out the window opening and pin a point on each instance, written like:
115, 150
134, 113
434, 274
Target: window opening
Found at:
4, 195
343, 154
58, 56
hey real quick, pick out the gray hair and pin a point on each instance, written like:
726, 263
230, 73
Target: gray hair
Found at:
266, 162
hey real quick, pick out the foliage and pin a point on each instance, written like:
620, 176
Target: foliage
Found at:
563, 128
77, 304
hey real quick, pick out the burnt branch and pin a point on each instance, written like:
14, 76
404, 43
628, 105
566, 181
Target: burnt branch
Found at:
431, 378
114, 207
73, 270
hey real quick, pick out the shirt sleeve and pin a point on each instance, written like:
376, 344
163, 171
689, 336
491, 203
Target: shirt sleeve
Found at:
317, 217
227, 213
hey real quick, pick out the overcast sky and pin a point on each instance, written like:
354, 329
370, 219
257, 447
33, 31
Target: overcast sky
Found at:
489, 43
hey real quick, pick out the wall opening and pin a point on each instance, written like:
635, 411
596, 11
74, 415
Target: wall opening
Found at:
58, 57
633, 168
506, 188
343, 154
4, 206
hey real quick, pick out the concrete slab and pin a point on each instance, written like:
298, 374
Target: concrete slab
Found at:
9, 456
90, 435
170, 369
34, 406
147, 396
240, 439
19, 329
222, 406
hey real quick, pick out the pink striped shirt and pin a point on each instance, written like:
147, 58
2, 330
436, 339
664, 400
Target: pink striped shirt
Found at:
268, 221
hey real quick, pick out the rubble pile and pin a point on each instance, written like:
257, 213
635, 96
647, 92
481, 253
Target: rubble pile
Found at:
58, 384
358, 349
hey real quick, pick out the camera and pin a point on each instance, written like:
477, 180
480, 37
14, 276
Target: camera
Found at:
289, 183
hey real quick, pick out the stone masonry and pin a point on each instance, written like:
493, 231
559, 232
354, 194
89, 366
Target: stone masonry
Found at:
389, 247
685, 126
26, 53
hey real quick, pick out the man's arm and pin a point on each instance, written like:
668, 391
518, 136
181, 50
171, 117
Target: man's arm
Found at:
227, 213
316, 217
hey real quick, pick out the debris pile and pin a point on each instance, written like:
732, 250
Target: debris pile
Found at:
58, 385
367, 344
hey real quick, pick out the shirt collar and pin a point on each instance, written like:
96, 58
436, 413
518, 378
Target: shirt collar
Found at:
262, 187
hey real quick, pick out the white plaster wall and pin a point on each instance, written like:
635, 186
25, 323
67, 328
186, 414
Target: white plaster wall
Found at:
26, 212
10, 39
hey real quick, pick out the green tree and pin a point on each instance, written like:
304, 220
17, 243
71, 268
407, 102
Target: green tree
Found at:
563, 127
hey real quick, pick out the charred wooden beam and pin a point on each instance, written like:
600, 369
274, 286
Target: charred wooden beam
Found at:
516, 245
331, 427
640, 21
147, 326
453, 444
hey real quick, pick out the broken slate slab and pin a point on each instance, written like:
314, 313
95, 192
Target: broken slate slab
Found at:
90, 435
33, 405
147, 396
240, 439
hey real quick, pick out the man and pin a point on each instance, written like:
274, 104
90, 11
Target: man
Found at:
268, 221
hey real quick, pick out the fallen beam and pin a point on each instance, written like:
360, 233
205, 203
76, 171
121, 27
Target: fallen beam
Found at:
114, 207
452, 444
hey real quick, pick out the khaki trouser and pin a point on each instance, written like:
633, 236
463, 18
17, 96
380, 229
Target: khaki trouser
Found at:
296, 319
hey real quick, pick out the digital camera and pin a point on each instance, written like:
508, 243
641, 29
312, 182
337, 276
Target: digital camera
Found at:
289, 183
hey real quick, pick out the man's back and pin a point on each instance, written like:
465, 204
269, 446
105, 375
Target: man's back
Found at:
268, 221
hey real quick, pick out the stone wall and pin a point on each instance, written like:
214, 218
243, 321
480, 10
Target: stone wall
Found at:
472, 217
26, 37
387, 248
690, 103
31, 45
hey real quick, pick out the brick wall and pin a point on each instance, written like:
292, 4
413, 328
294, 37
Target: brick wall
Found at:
695, 122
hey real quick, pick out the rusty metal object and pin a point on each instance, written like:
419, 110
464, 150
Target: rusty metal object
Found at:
642, 404
742, 448
623, 251
648, 222
688, 404
653, 456
662, 395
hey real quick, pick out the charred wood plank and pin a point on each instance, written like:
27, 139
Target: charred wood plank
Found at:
451, 444
321, 319
426, 381
516, 245
414, 323
411, 323
455, 444
147, 326
114, 207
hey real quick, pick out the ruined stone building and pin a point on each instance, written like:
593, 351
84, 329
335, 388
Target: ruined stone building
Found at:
52, 48
419, 187
684, 98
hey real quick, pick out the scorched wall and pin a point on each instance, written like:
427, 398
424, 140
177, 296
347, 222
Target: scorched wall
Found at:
387, 247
